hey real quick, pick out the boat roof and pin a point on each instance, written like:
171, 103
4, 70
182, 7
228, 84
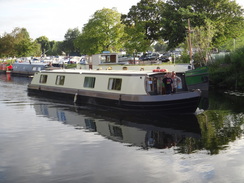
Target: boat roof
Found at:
28, 63
103, 72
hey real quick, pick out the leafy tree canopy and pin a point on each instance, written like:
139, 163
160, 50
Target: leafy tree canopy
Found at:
44, 42
145, 14
135, 40
103, 32
226, 16
17, 44
69, 42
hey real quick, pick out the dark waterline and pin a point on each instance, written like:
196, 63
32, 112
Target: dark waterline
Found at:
47, 141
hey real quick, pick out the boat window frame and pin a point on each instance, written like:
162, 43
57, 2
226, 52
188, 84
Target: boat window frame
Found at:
43, 78
60, 79
89, 82
114, 84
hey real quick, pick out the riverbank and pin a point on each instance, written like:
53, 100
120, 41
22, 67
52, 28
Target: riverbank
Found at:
227, 71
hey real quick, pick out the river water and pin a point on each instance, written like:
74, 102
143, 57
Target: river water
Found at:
42, 140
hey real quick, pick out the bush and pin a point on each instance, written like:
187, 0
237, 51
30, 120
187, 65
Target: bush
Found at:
227, 72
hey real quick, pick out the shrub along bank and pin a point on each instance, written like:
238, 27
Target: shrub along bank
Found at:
228, 72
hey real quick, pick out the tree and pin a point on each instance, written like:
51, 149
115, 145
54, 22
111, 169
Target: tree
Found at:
56, 48
24, 48
36, 49
17, 43
23, 43
44, 42
226, 17
143, 22
7, 46
173, 25
68, 43
233, 43
202, 42
134, 39
160, 46
103, 32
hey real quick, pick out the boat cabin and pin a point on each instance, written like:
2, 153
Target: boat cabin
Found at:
26, 68
124, 81
124, 90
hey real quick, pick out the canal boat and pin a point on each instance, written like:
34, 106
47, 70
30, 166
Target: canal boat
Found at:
29, 68
125, 90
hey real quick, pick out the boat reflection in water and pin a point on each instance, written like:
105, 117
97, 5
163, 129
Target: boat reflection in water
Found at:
153, 131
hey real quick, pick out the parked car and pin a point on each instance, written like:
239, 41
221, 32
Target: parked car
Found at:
144, 57
149, 56
165, 58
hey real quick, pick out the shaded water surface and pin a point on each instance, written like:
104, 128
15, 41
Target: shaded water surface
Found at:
42, 140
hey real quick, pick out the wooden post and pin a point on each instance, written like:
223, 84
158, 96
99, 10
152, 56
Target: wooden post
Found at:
189, 40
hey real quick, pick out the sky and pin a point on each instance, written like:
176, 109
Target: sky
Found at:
53, 18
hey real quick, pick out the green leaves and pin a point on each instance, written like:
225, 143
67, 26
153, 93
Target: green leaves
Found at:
145, 15
103, 32
17, 44
69, 42
226, 17
44, 42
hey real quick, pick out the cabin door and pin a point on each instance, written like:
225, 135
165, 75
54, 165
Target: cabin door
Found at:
154, 85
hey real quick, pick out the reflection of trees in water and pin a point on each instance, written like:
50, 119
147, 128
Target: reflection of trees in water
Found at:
161, 140
218, 100
189, 145
218, 128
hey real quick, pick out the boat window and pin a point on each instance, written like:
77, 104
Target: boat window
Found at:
39, 68
43, 79
114, 84
89, 82
116, 131
60, 80
34, 68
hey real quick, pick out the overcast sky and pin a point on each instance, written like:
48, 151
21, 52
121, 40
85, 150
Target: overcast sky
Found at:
52, 18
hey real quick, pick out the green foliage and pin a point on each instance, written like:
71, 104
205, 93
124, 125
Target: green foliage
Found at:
24, 48
227, 72
160, 47
226, 17
218, 129
202, 42
70, 66
17, 44
145, 18
44, 42
103, 32
56, 48
135, 40
173, 24
69, 43
233, 43
7, 46
185, 57
36, 51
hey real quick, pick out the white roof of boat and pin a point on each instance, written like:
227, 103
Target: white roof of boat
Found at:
83, 71
28, 63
